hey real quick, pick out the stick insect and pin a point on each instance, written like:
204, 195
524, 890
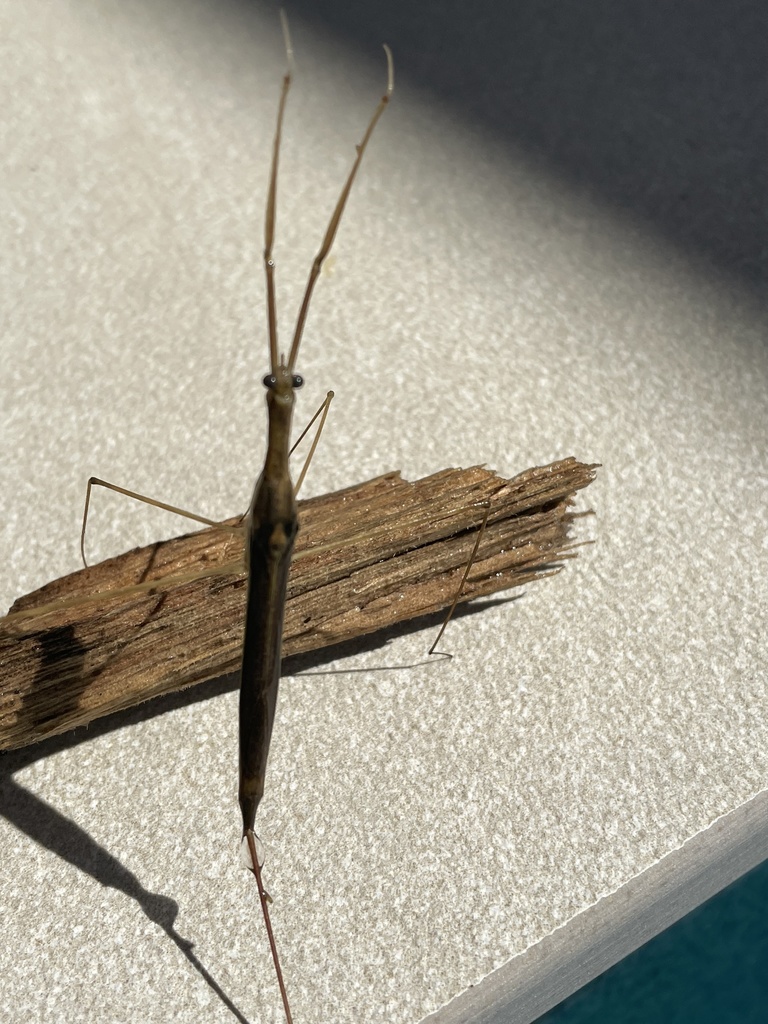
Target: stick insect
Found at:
271, 522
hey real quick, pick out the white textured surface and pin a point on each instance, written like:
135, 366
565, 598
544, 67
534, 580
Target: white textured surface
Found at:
425, 823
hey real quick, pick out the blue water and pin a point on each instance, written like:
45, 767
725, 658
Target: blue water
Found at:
709, 968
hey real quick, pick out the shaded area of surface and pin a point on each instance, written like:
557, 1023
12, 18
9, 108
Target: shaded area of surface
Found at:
661, 111
709, 967
56, 832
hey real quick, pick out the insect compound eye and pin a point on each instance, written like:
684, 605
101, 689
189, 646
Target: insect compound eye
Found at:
270, 381
297, 381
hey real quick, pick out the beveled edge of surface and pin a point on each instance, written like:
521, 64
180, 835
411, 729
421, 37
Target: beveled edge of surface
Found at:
593, 941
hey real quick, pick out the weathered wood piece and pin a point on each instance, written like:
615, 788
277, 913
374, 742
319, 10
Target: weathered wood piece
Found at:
166, 616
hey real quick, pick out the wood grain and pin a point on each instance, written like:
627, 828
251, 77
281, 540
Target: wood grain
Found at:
167, 616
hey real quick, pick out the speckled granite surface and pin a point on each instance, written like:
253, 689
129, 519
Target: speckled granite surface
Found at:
425, 822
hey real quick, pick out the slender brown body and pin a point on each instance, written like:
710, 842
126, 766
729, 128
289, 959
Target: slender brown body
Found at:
272, 521
272, 518
271, 524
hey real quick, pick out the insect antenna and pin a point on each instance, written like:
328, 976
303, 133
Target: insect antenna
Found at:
333, 224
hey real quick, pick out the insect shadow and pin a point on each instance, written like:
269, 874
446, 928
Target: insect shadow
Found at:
57, 833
